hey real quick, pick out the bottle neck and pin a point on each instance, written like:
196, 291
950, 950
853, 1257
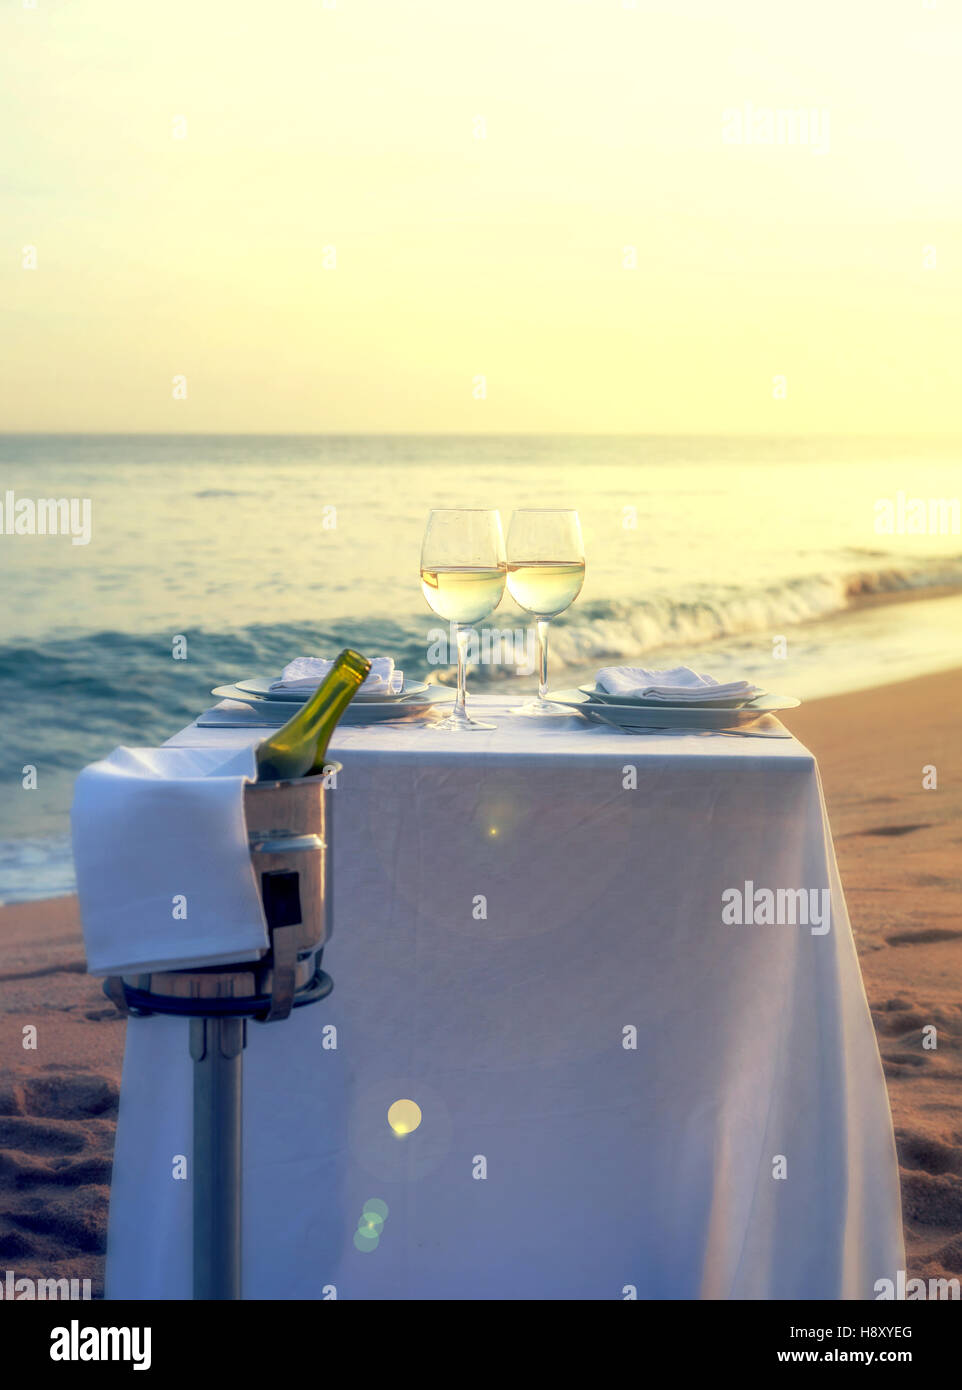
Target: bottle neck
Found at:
329, 703
297, 750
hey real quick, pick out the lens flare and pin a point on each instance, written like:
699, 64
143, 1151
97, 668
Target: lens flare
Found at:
404, 1116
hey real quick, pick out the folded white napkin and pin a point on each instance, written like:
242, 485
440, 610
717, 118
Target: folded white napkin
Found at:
164, 874
307, 672
678, 686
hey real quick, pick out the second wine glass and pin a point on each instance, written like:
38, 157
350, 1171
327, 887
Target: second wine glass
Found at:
546, 569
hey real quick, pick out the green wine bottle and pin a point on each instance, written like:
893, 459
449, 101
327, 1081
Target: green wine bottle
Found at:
297, 749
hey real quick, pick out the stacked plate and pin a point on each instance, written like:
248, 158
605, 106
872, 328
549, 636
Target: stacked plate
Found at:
415, 700
645, 712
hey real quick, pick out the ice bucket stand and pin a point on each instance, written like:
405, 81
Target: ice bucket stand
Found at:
289, 829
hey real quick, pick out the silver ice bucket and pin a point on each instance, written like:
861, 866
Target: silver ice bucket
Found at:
289, 831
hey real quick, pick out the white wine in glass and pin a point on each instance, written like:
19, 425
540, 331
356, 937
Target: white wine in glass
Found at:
462, 578
462, 593
546, 569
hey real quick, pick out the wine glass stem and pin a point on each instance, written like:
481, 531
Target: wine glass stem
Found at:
542, 658
462, 670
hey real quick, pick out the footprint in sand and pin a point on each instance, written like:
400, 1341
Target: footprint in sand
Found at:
901, 1027
69, 1096
900, 1024
929, 1155
14, 1245
894, 829
936, 881
56, 1138
79, 1225
904, 1019
944, 1261
923, 937
24, 1134
932, 1199
23, 1170
903, 1063
11, 1098
93, 1171
885, 830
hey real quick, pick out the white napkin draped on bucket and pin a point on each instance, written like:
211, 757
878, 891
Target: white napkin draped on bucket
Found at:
678, 686
307, 672
164, 874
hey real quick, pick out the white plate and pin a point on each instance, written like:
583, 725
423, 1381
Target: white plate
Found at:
259, 687
605, 698
272, 714
672, 716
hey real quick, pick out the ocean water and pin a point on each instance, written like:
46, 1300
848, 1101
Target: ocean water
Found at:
258, 549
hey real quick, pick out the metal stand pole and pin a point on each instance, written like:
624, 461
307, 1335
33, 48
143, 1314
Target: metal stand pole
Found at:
217, 1047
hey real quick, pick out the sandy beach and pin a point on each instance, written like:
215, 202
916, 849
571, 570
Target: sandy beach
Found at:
897, 843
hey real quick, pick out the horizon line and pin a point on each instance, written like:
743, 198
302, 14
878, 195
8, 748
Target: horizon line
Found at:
476, 434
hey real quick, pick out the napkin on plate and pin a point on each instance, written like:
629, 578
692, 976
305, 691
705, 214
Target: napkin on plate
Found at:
164, 874
678, 686
307, 672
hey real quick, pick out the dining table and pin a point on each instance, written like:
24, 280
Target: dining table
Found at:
623, 1086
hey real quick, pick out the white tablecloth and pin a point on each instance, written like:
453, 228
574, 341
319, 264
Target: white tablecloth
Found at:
609, 1169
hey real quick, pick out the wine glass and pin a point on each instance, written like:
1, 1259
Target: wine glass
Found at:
462, 578
546, 569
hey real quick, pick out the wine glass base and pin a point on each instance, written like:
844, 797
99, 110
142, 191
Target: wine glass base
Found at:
541, 708
462, 724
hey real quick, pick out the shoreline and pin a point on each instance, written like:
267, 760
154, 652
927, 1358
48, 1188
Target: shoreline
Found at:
877, 638
897, 847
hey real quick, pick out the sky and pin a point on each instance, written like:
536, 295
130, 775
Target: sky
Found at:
480, 215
